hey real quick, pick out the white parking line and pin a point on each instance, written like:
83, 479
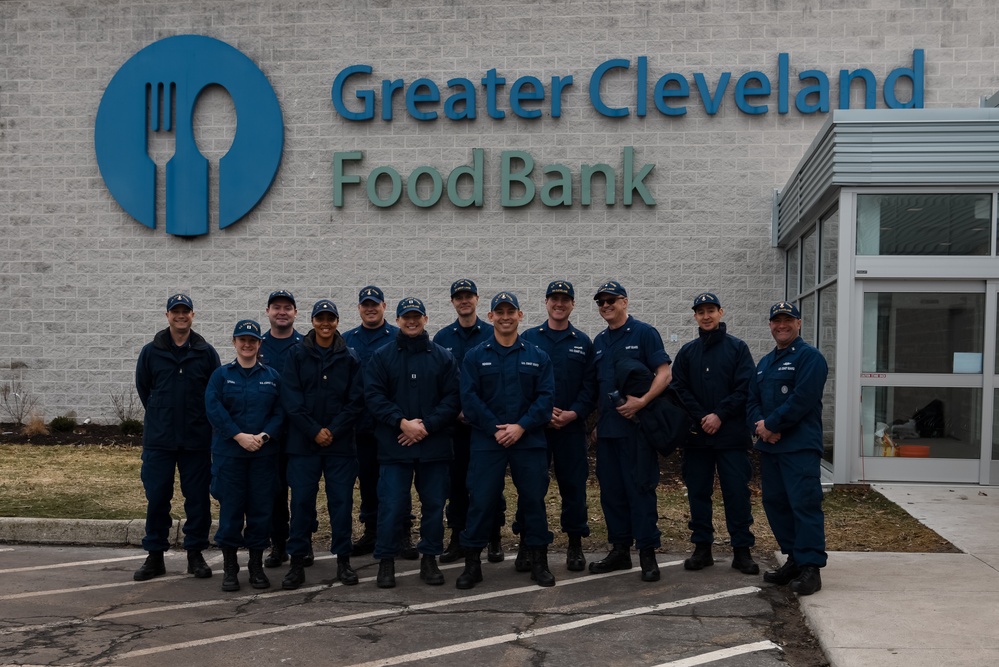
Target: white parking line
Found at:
722, 654
562, 627
375, 613
54, 566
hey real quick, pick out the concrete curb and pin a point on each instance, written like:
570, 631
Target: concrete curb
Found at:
101, 532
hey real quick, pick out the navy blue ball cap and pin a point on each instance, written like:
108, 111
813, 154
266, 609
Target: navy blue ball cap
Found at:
410, 305
247, 328
463, 285
705, 299
179, 300
504, 297
325, 306
611, 287
370, 293
784, 308
560, 287
282, 294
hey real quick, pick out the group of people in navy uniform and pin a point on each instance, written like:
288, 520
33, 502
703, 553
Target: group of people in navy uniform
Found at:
388, 407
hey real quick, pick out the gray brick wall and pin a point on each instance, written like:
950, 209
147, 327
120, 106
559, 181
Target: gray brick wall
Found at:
82, 286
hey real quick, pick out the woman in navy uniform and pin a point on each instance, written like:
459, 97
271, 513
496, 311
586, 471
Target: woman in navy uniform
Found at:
322, 393
245, 412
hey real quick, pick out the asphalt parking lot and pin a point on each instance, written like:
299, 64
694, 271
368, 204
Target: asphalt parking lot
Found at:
80, 606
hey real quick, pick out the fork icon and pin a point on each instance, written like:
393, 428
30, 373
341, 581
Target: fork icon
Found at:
168, 114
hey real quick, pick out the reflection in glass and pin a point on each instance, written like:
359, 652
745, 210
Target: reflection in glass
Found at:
922, 332
921, 422
808, 325
935, 224
792, 272
995, 425
809, 260
827, 346
830, 247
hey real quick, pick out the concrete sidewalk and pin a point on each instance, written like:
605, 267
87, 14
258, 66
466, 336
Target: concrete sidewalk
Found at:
917, 610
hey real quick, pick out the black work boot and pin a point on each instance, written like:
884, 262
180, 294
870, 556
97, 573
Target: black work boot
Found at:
495, 553
472, 574
258, 579
522, 563
453, 551
365, 544
619, 558
575, 561
647, 560
701, 558
783, 575
296, 574
429, 572
407, 549
309, 558
196, 564
743, 561
230, 568
539, 567
808, 581
386, 573
345, 573
153, 566
277, 556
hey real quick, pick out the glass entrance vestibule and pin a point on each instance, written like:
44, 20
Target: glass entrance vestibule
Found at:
889, 225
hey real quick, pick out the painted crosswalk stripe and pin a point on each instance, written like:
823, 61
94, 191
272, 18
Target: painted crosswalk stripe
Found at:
722, 654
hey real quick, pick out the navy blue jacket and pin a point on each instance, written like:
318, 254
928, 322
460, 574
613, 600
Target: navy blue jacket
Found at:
365, 342
274, 351
571, 352
455, 340
172, 390
319, 392
412, 378
712, 374
242, 400
512, 385
787, 395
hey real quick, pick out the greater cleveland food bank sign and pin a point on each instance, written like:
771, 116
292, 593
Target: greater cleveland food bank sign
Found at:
156, 91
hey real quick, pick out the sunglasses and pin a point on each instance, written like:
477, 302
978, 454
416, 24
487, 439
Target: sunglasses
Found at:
606, 301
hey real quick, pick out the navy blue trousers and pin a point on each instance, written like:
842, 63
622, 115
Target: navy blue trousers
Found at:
367, 479
195, 468
457, 504
338, 473
395, 502
792, 499
244, 487
567, 458
628, 472
734, 471
279, 507
486, 480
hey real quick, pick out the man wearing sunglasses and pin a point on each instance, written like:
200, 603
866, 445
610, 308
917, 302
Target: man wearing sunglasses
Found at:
628, 470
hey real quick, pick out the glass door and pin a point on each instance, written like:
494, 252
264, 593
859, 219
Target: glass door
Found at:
922, 380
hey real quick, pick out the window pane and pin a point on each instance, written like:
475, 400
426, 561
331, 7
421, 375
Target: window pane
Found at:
830, 247
995, 426
920, 332
809, 261
952, 224
792, 272
808, 324
934, 422
827, 346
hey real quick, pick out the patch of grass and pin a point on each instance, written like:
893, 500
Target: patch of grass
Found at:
102, 482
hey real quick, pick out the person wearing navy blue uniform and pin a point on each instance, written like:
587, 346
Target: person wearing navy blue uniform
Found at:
627, 469
244, 409
571, 352
373, 333
170, 379
282, 336
711, 375
411, 391
507, 395
322, 393
458, 338
784, 411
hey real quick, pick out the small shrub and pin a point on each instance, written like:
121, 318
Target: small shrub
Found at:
131, 426
36, 426
64, 424
125, 405
17, 401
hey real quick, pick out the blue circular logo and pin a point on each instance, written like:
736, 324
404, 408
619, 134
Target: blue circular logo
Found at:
156, 90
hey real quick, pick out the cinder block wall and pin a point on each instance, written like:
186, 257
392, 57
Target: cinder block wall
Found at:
83, 286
